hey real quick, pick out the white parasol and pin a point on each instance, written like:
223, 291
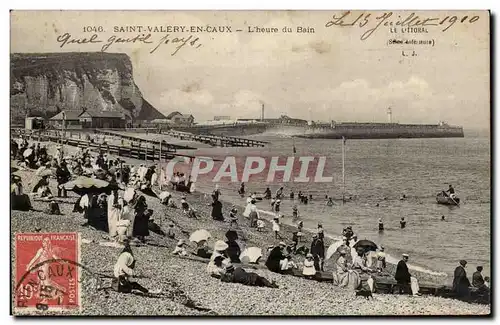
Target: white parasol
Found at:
199, 235
251, 255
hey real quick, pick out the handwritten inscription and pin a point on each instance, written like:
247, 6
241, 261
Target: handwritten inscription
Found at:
168, 40
370, 23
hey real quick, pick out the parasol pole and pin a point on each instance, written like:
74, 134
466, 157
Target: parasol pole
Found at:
62, 135
343, 169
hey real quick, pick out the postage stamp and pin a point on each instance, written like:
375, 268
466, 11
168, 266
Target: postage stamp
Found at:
47, 276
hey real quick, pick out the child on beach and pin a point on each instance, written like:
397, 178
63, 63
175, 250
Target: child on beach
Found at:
180, 248
309, 270
277, 205
260, 225
170, 231
300, 225
233, 218
276, 227
295, 212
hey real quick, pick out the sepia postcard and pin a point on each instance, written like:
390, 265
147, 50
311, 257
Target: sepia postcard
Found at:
250, 163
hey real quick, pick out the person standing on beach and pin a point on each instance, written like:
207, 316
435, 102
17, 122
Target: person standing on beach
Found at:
295, 212
404, 278
241, 191
461, 283
318, 252
277, 206
276, 227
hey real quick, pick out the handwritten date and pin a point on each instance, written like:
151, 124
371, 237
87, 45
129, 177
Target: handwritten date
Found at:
362, 20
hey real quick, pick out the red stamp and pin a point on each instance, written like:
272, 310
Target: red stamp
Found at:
47, 272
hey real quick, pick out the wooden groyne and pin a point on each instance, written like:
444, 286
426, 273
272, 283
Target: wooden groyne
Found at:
137, 152
164, 144
216, 140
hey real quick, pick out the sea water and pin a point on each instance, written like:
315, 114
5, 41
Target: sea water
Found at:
380, 172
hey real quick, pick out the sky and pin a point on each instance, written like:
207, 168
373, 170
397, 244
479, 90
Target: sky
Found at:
330, 74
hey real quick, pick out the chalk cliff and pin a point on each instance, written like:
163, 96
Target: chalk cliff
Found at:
43, 84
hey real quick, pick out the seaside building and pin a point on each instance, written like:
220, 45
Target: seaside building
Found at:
88, 119
177, 118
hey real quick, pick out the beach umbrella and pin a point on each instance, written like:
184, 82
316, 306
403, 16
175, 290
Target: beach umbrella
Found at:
366, 244
332, 249
231, 235
129, 194
220, 246
83, 185
251, 255
200, 235
27, 152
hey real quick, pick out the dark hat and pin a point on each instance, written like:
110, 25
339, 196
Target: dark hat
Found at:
463, 262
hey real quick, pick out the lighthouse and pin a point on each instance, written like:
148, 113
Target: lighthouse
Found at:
389, 115
262, 113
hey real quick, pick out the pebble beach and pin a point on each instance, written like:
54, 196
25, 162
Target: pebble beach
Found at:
189, 290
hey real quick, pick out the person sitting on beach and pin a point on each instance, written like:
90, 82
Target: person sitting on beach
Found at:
404, 278
184, 205
54, 208
170, 231
239, 275
487, 282
292, 195
276, 260
260, 225
180, 249
330, 202
43, 182
202, 249
309, 271
363, 271
267, 193
124, 270
165, 197
342, 276
276, 227
216, 269
461, 283
477, 279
